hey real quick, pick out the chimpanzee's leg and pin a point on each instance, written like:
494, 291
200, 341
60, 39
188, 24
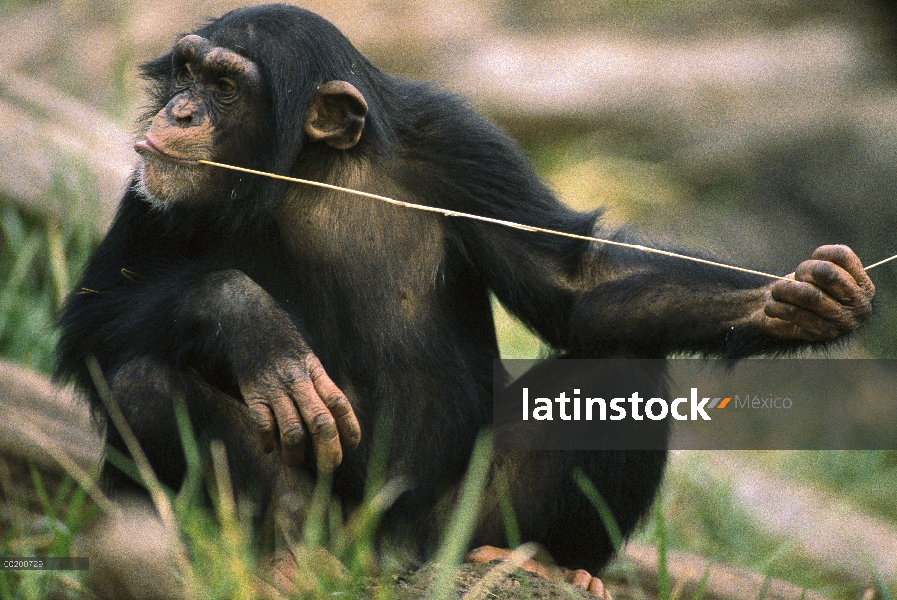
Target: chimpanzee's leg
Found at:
549, 506
552, 510
144, 388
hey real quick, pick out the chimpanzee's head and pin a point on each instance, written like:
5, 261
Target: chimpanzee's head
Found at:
254, 89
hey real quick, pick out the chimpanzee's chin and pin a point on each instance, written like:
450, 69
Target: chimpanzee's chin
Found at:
162, 183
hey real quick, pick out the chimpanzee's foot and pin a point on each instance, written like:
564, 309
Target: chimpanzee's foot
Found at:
579, 578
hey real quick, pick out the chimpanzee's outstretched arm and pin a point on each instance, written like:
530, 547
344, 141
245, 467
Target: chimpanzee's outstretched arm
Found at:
600, 300
700, 310
593, 300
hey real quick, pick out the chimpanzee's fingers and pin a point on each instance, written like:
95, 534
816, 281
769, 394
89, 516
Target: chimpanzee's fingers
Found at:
795, 322
321, 424
845, 258
806, 296
827, 296
835, 281
292, 431
263, 418
336, 402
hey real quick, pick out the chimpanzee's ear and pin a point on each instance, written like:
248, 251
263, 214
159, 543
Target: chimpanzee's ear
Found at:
336, 114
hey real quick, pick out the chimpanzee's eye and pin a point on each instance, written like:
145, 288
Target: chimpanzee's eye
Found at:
226, 86
183, 76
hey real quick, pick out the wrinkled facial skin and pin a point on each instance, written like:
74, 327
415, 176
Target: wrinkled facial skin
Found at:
215, 113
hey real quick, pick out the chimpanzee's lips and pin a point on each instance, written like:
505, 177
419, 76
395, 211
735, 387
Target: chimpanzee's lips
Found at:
147, 145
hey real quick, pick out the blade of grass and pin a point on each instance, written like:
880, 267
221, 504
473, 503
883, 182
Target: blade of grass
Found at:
880, 586
335, 524
362, 527
41, 492
58, 271
188, 495
123, 463
354, 544
236, 543
464, 517
85, 480
764, 589
313, 531
512, 530
65, 489
78, 513
702, 585
160, 500
12, 225
152, 483
663, 570
604, 513
376, 476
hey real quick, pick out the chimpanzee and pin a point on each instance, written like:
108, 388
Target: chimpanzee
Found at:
291, 317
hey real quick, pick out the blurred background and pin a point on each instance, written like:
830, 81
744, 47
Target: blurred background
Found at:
755, 130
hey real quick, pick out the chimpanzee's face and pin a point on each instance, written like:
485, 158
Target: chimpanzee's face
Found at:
215, 112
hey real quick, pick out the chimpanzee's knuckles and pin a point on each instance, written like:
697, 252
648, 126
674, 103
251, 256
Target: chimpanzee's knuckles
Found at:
822, 273
837, 282
333, 397
844, 301
323, 428
313, 366
779, 310
335, 402
838, 253
799, 293
338, 405
289, 373
794, 322
847, 259
842, 256
292, 433
261, 416
264, 421
787, 313
346, 421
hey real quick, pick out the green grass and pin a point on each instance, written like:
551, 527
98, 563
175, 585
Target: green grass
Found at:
215, 549
39, 261
48, 531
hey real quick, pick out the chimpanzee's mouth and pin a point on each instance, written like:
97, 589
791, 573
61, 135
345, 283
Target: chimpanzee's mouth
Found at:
147, 146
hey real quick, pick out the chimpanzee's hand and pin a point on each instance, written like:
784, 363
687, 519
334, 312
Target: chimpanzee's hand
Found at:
827, 296
296, 397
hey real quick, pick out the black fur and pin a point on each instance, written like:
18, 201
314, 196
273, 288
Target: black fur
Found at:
395, 303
